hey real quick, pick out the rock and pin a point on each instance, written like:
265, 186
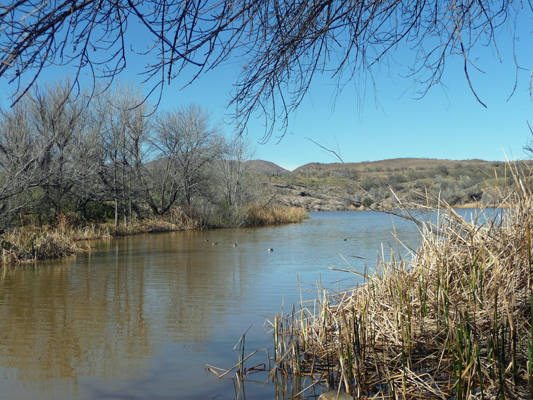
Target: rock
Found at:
335, 395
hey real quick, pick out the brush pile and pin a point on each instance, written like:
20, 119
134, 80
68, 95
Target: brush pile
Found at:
452, 323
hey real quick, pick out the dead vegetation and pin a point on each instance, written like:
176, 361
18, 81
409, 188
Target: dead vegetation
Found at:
29, 244
455, 322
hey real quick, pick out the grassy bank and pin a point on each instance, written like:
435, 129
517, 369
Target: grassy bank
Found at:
455, 322
62, 239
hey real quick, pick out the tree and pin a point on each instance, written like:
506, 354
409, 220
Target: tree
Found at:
230, 171
56, 119
22, 157
186, 144
283, 44
122, 127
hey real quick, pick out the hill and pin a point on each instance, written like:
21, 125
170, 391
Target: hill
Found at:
396, 164
378, 184
261, 167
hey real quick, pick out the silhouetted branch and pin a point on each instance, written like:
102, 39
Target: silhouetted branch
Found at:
283, 44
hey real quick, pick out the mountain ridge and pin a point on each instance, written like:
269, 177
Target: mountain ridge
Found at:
381, 184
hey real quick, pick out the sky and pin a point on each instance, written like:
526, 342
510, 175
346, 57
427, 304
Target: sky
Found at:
390, 122
361, 123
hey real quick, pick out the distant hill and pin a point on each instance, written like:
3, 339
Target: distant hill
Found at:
395, 164
382, 184
261, 167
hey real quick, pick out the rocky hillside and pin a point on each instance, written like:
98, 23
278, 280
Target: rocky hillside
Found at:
383, 183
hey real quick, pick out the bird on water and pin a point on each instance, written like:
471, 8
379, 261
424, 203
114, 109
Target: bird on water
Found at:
270, 250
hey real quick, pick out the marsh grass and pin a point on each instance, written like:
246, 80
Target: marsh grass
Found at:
25, 245
274, 215
455, 322
60, 240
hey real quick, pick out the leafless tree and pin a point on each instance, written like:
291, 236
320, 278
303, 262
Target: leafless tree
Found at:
22, 156
230, 171
186, 144
122, 127
280, 44
88, 187
56, 118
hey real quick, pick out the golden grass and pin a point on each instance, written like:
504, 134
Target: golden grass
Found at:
25, 245
31, 244
274, 215
453, 323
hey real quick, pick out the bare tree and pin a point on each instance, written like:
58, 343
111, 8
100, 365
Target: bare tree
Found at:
22, 156
230, 171
88, 186
186, 143
57, 118
282, 44
122, 126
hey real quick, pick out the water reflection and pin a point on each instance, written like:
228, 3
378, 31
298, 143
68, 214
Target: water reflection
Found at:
141, 316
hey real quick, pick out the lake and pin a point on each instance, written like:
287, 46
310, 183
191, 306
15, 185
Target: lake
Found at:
139, 317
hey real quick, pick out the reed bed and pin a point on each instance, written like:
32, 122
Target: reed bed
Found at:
59, 240
454, 322
274, 215
25, 245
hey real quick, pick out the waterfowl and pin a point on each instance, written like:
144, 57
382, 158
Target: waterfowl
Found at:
234, 244
271, 250
213, 243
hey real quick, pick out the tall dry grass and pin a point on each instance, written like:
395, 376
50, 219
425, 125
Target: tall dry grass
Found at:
455, 322
274, 215
23, 245
31, 243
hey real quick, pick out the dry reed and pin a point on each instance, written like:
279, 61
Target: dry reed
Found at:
273, 215
452, 323
31, 243
24, 245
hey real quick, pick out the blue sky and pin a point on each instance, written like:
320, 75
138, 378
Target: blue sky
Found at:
363, 125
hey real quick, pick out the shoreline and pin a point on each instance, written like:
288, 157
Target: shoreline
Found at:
455, 322
32, 244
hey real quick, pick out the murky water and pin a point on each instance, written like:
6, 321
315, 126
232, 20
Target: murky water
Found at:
140, 317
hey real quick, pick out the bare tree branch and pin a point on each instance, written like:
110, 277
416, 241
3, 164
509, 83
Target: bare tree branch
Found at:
283, 44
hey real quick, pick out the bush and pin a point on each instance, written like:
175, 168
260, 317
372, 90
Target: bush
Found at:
367, 202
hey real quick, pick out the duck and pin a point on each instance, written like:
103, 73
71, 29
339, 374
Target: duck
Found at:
270, 250
234, 244
214, 243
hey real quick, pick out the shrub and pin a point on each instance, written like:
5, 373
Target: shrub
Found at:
367, 202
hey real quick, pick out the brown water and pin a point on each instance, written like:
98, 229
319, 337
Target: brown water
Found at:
140, 317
